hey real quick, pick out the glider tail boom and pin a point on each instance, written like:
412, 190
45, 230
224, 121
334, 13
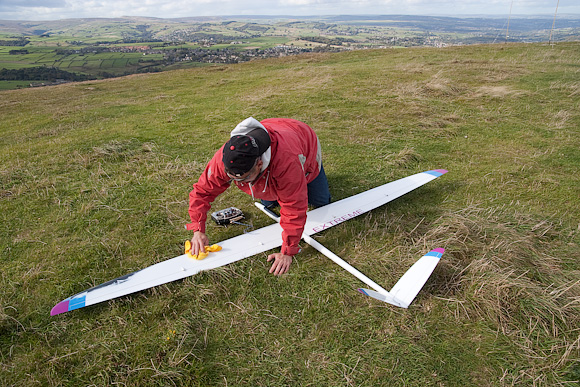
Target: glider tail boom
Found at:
404, 291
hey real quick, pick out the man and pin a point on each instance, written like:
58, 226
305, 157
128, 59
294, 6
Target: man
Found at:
277, 160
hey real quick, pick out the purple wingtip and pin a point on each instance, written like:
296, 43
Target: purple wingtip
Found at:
439, 250
59, 308
441, 171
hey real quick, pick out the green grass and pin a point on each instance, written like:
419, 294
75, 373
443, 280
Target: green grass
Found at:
42, 52
9, 85
94, 180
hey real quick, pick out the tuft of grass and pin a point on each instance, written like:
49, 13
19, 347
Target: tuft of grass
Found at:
94, 181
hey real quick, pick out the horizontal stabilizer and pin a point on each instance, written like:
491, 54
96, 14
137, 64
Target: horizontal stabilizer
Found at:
407, 288
388, 298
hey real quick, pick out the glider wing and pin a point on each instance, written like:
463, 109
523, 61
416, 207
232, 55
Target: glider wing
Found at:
173, 269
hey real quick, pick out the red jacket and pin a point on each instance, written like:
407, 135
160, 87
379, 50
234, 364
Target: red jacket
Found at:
293, 161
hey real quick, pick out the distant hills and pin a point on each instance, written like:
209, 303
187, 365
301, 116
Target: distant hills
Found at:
518, 23
102, 48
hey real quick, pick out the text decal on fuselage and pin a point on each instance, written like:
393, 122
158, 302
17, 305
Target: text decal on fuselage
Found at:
336, 221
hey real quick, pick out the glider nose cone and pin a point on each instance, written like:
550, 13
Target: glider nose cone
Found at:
59, 308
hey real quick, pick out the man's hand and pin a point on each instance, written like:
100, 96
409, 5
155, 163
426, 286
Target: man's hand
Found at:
198, 242
281, 263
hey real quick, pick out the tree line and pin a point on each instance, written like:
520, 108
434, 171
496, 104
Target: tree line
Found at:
41, 74
337, 41
20, 42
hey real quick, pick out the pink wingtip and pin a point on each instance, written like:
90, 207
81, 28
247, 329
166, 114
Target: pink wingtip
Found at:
439, 250
441, 171
59, 308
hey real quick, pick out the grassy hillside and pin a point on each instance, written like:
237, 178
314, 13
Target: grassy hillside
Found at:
94, 179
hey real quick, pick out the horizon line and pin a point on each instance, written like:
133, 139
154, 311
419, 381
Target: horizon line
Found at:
279, 16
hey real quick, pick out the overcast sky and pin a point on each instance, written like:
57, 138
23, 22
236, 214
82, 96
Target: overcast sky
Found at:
63, 9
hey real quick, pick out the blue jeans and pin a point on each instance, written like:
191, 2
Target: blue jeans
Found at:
318, 192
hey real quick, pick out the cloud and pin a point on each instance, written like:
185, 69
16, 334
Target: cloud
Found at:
60, 9
7, 4
17, 7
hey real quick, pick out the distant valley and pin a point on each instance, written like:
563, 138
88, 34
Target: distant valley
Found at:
53, 52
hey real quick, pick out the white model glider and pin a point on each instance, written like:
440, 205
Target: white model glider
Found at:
268, 238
